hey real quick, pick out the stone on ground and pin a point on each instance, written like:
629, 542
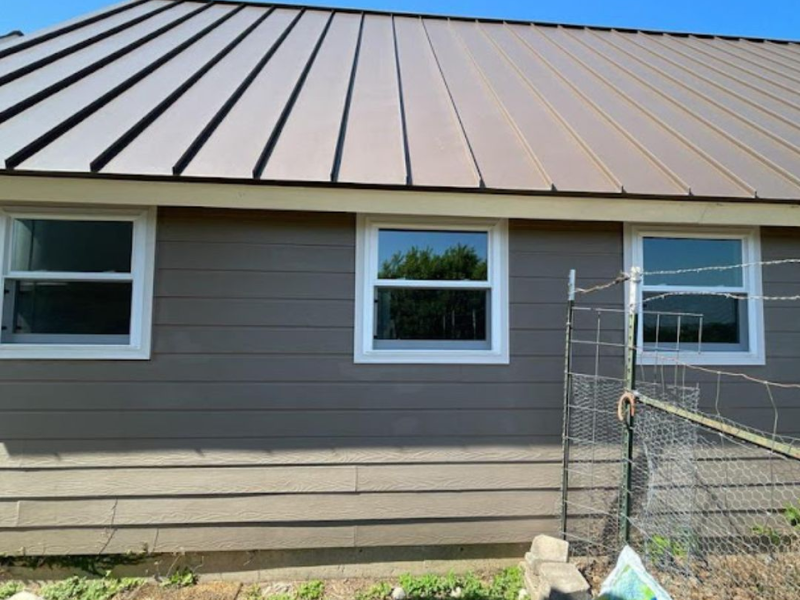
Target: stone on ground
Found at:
546, 548
562, 581
25, 595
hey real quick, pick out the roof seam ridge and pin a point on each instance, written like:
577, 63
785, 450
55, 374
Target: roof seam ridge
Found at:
456, 113
657, 162
51, 58
274, 136
337, 155
716, 128
210, 127
759, 128
24, 44
141, 126
504, 111
770, 59
583, 144
774, 51
57, 131
723, 36
649, 114
731, 75
74, 78
704, 43
401, 103
721, 87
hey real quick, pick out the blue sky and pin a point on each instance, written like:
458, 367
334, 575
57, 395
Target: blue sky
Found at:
760, 18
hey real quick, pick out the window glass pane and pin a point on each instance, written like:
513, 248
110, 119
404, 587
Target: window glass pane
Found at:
432, 255
77, 246
670, 254
67, 308
442, 315
724, 322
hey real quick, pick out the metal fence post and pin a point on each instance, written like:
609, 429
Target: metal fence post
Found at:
567, 396
630, 385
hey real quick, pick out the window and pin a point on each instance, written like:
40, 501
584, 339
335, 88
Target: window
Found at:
76, 284
710, 316
431, 291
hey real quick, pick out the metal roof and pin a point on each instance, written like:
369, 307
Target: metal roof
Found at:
231, 90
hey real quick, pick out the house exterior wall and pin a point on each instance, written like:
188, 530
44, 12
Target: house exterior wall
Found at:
252, 428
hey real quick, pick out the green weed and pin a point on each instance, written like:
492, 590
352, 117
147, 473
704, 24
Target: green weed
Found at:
181, 578
9, 588
81, 588
311, 590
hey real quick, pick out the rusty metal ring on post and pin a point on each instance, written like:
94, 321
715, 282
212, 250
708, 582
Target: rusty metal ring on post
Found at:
628, 398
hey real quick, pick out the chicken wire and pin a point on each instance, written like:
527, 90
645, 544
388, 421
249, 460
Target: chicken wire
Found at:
713, 515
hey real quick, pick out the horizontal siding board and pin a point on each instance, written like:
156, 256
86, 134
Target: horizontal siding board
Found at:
222, 481
24, 425
378, 449
146, 395
213, 226
455, 532
298, 369
323, 341
214, 481
253, 284
222, 312
293, 508
275, 258
119, 540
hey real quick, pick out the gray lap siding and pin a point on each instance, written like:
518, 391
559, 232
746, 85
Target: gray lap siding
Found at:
251, 427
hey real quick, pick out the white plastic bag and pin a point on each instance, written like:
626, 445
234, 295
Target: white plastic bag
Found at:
630, 580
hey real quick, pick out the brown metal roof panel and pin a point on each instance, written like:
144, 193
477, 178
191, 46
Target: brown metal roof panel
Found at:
63, 42
374, 147
681, 113
42, 78
74, 150
306, 147
604, 138
755, 52
159, 147
789, 51
732, 73
710, 80
741, 123
503, 160
47, 33
674, 158
567, 163
742, 66
234, 148
42, 117
437, 148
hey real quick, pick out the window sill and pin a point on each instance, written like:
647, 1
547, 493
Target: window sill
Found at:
72, 352
432, 357
720, 359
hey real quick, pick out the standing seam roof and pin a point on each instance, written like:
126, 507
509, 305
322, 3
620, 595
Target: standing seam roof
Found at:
279, 93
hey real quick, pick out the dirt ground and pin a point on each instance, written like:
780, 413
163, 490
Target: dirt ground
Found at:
744, 577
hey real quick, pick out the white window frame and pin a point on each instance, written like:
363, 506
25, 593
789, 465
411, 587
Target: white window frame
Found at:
367, 281
141, 278
751, 285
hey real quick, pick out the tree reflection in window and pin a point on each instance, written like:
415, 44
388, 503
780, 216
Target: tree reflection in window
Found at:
433, 314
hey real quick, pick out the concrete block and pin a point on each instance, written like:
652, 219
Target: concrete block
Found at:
562, 581
546, 548
25, 595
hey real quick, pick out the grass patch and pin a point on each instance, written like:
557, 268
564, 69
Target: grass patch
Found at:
9, 588
81, 588
505, 585
181, 578
311, 590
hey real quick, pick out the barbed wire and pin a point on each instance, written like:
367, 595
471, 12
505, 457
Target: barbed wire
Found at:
621, 278
719, 372
764, 263
731, 295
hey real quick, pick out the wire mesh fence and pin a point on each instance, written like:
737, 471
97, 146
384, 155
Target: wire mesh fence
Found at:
707, 490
